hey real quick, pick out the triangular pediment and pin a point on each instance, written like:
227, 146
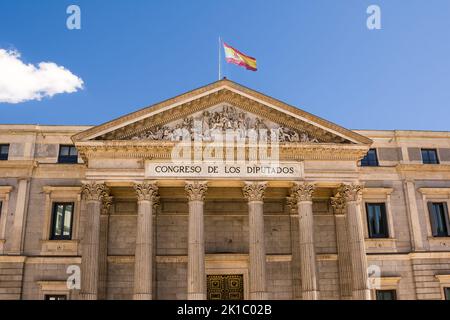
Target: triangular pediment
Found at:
223, 105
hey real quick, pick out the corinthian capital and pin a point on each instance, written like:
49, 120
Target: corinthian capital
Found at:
350, 192
106, 204
338, 203
302, 191
196, 190
94, 191
292, 204
254, 191
146, 191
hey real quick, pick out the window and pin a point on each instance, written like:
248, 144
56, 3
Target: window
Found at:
371, 159
68, 154
386, 295
52, 297
429, 156
4, 151
377, 221
62, 221
447, 293
439, 219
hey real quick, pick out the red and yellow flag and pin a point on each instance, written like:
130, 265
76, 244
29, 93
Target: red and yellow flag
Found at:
233, 55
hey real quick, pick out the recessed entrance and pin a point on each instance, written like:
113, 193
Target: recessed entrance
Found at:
225, 287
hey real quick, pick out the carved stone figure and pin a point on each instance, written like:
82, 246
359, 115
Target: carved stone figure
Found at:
211, 124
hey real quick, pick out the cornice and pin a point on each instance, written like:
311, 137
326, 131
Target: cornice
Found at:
21, 164
423, 167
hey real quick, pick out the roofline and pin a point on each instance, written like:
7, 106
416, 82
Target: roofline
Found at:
339, 130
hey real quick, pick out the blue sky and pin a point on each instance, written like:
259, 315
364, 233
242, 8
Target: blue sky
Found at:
316, 55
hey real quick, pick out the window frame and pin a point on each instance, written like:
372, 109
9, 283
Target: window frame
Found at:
70, 159
394, 291
368, 164
431, 215
2, 155
384, 214
62, 237
447, 293
428, 150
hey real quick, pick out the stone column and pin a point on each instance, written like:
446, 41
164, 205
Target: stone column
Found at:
295, 261
103, 247
196, 277
352, 194
302, 192
345, 268
254, 193
147, 196
94, 194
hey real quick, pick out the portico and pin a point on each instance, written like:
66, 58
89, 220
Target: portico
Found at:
218, 172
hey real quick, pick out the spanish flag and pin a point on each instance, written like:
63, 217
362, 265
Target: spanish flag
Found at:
233, 55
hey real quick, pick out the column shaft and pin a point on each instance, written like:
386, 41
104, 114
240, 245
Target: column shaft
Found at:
196, 252
143, 268
357, 250
196, 275
254, 192
90, 261
344, 262
308, 268
94, 194
257, 251
147, 195
301, 194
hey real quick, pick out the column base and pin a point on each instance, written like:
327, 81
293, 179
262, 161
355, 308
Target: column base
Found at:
258, 296
142, 296
362, 294
196, 296
310, 295
88, 296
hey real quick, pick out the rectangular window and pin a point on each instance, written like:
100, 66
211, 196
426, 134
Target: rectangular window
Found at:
429, 156
377, 220
62, 221
4, 151
371, 159
53, 297
439, 219
386, 295
67, 154
447, 293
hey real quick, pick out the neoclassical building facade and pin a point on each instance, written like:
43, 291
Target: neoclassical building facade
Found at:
223, 193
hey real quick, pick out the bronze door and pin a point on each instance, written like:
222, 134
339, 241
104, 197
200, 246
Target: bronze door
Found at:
225, 287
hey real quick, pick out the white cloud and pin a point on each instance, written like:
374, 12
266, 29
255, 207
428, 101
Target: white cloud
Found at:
21, 82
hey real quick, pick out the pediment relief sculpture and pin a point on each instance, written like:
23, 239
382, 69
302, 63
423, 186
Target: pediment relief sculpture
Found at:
224, 121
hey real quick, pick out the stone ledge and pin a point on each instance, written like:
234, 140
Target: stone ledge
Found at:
59, 247
387, 245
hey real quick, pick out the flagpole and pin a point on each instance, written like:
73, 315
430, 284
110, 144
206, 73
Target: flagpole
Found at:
220, 58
